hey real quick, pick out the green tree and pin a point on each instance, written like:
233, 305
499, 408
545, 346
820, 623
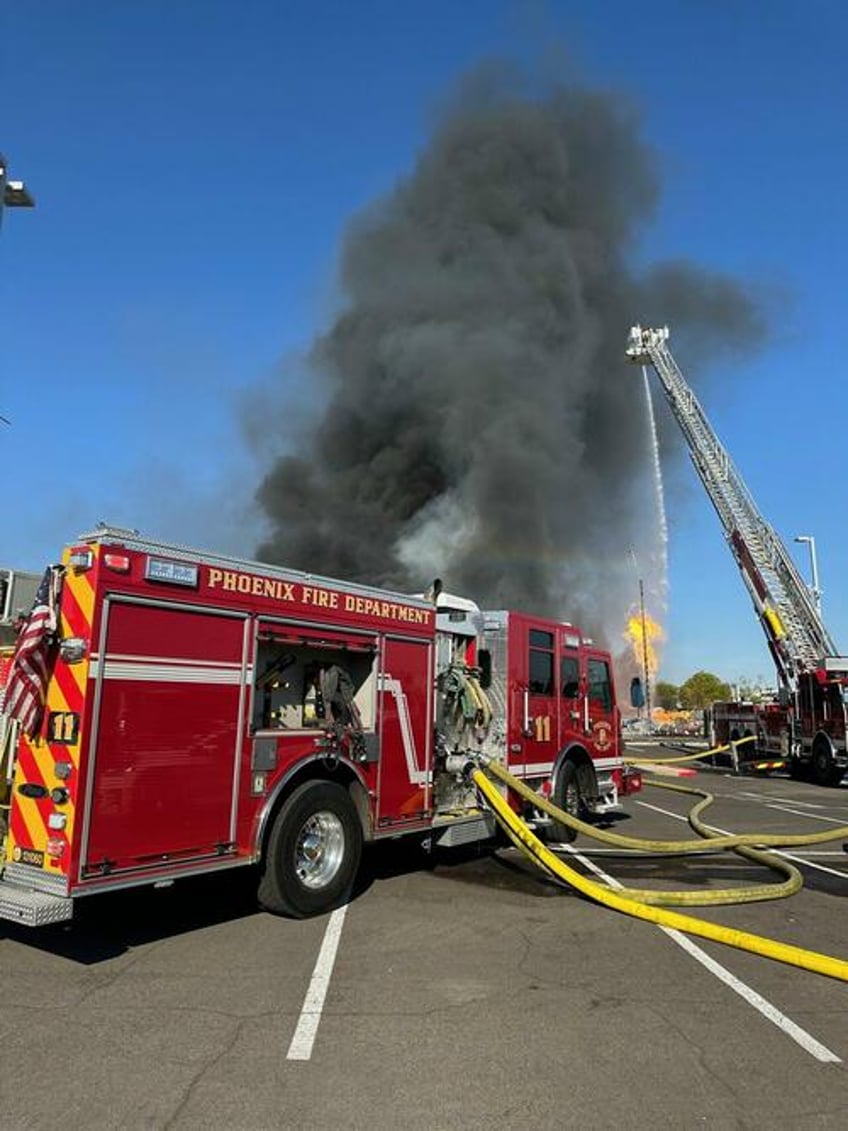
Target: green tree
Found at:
701, 689
667, 695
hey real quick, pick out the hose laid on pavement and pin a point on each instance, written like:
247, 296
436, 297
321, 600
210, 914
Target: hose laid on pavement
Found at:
620, 840
531, 845
700, 754
712, 897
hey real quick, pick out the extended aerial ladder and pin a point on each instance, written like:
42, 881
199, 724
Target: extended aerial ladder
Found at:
797, 638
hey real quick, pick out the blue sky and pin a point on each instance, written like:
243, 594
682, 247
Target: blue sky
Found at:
194, 167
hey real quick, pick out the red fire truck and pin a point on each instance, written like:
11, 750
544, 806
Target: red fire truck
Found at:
807, 735
205, 712
806, 728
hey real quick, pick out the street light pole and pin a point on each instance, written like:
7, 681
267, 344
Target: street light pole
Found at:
645, 656
13, 194
814, 589
645, 668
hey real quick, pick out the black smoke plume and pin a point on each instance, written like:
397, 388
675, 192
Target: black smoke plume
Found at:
478, 422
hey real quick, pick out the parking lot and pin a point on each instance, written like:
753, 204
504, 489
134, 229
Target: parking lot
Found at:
456, 990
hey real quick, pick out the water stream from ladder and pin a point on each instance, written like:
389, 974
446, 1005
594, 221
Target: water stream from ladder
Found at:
662, 564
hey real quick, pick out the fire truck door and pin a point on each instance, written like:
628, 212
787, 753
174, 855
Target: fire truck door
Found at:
602, 737
542, 729
166, 742
406, 724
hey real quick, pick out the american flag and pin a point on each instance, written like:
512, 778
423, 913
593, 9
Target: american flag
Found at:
26, 684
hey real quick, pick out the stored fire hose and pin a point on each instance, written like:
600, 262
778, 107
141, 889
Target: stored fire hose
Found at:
625, 902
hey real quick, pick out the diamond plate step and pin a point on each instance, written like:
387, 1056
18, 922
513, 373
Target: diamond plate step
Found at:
466, 832
33, 908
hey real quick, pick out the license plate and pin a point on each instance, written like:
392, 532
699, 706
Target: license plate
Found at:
29, 856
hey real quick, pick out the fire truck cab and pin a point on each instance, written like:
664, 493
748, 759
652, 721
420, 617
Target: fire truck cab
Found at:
203, 712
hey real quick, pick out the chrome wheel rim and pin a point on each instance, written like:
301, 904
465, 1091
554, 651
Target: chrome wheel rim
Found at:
319, 850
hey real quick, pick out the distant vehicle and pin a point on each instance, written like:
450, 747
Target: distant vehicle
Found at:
17, 592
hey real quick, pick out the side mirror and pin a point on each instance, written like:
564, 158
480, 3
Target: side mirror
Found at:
637, 693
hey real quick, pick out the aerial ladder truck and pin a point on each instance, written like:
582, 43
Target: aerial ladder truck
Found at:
806, 726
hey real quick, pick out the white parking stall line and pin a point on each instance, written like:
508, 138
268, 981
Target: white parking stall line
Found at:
809, 816
770, 797
657, 809
810, 864
771, 1013
313, 1004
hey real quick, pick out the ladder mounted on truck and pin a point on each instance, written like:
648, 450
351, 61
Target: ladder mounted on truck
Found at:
797, 638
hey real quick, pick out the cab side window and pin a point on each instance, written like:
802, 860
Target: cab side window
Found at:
600, 688
541, 666
570, 673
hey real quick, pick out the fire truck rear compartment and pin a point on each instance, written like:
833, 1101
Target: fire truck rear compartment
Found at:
167, 743
288, 667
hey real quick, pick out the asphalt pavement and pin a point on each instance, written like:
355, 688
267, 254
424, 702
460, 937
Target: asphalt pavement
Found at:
457, 990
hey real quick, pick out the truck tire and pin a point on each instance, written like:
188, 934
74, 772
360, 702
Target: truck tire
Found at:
313, 852
567, 797
824, 771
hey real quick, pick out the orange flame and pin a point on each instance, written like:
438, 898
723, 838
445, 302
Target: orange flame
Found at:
644, 643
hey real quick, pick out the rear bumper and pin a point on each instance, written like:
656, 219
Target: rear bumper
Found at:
33, 908
612, 787
631, 781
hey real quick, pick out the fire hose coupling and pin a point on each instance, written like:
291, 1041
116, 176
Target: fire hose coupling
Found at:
463, 765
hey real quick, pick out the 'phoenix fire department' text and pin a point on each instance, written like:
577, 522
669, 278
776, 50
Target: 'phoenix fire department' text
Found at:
234, 582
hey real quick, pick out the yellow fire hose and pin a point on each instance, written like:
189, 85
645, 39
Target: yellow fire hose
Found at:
773, 764
690, 898
619, 840
686, 758
698, 755
742, 940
